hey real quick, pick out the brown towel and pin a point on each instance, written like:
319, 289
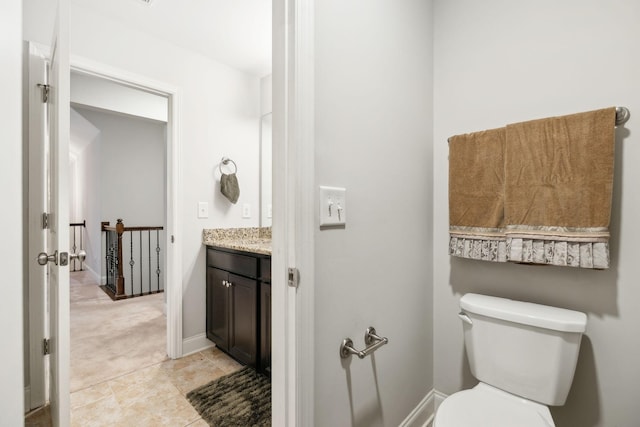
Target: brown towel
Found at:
476, 195
229, 187
558, 188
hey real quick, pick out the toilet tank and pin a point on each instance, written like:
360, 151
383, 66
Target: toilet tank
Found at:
526, 349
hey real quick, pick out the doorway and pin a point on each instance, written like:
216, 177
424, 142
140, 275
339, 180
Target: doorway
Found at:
117, 176
171, 241
172, 271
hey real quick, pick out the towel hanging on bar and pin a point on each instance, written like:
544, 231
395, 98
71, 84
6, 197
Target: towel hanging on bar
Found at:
229, 182
544, 197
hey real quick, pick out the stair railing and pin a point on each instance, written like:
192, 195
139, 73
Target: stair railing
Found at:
128, 246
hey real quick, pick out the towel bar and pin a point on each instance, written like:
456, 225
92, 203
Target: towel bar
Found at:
372, 341
225, 161
622, 115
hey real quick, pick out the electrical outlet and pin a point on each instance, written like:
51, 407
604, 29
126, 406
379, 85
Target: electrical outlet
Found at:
203, 210
246, 210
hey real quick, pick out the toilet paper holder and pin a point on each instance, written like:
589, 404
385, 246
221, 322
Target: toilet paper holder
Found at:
371, 340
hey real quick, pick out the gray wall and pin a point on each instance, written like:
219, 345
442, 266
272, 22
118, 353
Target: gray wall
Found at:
373, 136
132, 162
498, 62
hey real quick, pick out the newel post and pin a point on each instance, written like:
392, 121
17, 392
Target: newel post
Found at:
120, 278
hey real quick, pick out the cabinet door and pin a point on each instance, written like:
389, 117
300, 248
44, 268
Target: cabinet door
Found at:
265, 328
243, 305
217, 307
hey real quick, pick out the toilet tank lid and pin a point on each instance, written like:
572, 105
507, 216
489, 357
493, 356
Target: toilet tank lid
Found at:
526, 313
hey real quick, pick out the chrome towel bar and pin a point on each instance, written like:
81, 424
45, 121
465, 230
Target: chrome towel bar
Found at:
371, 340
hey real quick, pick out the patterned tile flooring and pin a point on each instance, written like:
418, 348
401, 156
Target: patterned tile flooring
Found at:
139, 391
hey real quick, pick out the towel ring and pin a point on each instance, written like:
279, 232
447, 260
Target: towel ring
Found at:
225, 161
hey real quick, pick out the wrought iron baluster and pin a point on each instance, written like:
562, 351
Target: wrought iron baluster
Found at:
106, 256
81, 245
158, 258
131, 261
74, 247
140, 236
149, 240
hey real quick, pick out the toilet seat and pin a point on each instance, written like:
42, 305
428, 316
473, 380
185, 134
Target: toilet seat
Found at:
487, 406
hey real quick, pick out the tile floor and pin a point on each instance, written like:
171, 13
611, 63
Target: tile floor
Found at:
129, 381
152, 396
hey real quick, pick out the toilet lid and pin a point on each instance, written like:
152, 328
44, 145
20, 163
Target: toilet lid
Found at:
489, 408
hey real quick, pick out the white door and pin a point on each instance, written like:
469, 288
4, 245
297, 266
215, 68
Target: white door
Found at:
57, 232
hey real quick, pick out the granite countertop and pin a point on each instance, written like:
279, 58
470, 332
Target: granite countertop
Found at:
254, 239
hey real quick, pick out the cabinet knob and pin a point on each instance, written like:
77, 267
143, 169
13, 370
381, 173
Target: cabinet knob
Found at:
229, 284
224, 283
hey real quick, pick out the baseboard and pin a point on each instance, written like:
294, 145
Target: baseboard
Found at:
422, 414
195, 344
439, 397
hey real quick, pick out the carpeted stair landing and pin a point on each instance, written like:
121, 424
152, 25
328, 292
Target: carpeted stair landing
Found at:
242, 398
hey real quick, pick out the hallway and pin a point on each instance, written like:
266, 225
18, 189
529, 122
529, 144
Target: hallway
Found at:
120, 374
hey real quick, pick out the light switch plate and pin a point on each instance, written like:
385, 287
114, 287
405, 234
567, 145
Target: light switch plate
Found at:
333, 206
203, 210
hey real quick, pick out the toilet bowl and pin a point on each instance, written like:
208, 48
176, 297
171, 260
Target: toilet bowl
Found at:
486, 406
524, 356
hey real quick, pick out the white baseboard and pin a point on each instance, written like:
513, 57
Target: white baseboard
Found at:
423, 414
439, 397
195, 344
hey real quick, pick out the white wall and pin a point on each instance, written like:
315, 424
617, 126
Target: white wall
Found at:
107, 95
89, 206
11, 358
498, 62
266, 148
220, 110
266, 94
373, 135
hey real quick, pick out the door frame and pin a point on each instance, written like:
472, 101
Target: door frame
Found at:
173, 281
294, 201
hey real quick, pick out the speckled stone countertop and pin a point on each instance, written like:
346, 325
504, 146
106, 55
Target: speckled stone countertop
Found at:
256, 240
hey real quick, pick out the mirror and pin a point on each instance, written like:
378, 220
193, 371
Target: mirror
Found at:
265, 170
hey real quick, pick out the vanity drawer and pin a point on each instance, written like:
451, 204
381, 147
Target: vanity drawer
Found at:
235, 263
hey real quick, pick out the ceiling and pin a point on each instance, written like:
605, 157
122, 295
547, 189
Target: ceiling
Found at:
234, 32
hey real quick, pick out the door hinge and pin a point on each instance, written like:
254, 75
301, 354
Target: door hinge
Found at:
45, 91
45, 220
294, 277
46, 346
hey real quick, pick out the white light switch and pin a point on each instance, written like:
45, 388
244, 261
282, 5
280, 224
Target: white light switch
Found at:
246, 210
203, 210
333, 206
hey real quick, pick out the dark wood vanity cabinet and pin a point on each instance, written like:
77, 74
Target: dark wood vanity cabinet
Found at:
265, 317
235, 301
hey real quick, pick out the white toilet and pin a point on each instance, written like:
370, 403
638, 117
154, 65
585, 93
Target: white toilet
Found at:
524, 356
